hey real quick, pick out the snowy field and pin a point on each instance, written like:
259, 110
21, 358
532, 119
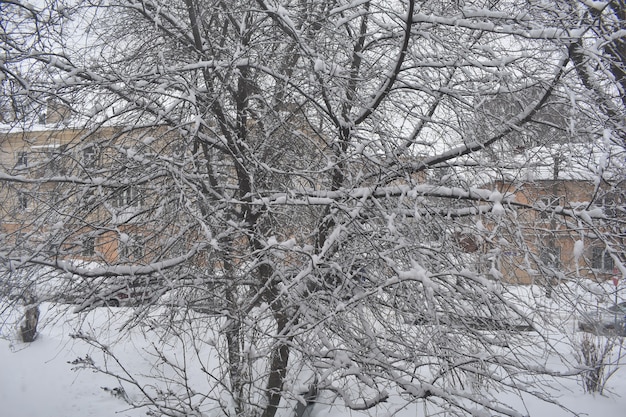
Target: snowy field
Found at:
39, 379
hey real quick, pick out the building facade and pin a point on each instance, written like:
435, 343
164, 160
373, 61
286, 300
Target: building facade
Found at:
553, 237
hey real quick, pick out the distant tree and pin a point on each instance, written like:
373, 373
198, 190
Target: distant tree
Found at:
298, 185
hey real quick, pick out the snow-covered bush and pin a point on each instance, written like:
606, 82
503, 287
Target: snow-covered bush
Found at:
597, 359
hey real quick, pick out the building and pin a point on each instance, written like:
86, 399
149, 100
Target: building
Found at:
49, 165
545, 244
131, 210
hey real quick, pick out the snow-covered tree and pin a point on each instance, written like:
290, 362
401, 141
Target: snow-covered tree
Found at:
299, 192
599, 61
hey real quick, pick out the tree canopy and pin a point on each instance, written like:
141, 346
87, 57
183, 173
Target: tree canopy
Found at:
318, 185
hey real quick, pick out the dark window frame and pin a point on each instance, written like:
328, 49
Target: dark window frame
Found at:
88, 246
601, 260
133, 249
549, 203
21, 159
23, 201
551, 256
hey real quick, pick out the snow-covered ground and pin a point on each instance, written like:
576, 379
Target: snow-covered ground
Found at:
38, 380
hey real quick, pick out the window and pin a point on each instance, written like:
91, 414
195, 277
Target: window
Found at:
613, 205
178, 148
89, 155
601, 260
88, 246
22, 201
50, 157
131, 249
551, 257
22, 159
127, 197
548, 203
54, 159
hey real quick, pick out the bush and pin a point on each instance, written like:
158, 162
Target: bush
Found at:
596, 359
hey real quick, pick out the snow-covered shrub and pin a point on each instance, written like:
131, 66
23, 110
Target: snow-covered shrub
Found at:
595, 357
